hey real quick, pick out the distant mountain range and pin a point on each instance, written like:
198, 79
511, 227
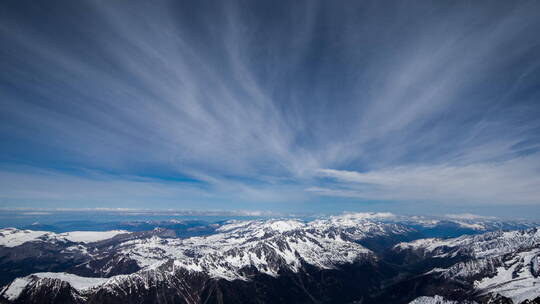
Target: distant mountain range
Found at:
352, 258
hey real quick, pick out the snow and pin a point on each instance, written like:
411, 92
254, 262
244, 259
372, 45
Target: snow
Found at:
268, 246
515, 279
535, 266
509, 260
77, 282
479, 246
366, 215
473, 226
468, 216
354, 219
13, 290
275, 225
224, 255
433, 300
11, 237
428, 245
90, 236
283, 226
285, 244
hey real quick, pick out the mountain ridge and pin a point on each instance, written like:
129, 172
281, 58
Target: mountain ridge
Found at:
280, 260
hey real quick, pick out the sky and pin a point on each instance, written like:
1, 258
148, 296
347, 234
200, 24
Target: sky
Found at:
428, 107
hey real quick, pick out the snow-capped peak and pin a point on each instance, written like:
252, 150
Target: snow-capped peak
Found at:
276, 225
268, 246
12, 237
437, 300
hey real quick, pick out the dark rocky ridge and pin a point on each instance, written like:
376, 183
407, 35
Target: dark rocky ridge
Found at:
389, 274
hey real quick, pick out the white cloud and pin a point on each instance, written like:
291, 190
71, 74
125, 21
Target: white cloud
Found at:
242, 106
510, 182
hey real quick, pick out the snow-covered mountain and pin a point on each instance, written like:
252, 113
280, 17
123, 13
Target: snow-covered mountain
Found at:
372, 258
240, 248
485, 245
264, 246
500, 264
11, 237
437, 300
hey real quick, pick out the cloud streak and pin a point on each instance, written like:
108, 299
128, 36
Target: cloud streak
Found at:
509, 182
256, 101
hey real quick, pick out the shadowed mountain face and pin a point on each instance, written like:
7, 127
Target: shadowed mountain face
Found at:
354, 258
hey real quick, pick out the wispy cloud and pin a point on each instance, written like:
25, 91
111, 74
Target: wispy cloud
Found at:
29, 187
255, 102
513, 181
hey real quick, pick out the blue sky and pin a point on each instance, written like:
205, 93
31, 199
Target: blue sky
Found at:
402, 106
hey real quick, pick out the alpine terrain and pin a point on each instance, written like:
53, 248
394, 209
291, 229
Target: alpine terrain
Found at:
352, 258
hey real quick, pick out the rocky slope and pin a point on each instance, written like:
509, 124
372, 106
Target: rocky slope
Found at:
494, 267
342, 259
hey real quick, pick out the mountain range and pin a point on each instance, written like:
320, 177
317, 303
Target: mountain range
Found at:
350, 258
